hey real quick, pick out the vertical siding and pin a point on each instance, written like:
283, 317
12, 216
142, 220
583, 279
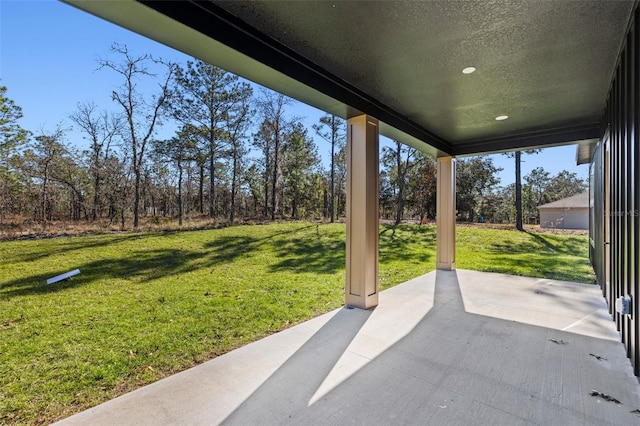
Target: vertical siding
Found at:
636, 181
630, 325
623, 115
634, 123
596, 206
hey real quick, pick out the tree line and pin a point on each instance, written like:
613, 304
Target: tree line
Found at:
236, 155
480, 198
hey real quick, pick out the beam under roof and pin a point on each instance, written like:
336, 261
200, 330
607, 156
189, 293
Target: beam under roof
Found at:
532, 140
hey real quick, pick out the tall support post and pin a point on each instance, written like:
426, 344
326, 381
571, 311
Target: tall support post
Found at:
446, 214
362, 212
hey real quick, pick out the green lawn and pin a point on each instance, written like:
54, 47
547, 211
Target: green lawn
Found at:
530, 254
149, 305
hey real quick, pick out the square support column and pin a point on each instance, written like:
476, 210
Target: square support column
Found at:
446, 214
362, 212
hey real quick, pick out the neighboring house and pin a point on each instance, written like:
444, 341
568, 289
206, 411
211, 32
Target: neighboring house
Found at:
568, 213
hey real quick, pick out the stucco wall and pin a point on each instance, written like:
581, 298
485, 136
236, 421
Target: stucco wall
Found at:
564, 218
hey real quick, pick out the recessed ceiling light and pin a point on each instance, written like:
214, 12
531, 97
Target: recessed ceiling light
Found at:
468, 70
502, 117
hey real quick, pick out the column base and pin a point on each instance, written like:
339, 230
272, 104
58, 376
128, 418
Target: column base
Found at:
445, 266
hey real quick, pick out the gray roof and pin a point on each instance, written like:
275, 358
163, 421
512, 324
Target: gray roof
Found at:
574, 202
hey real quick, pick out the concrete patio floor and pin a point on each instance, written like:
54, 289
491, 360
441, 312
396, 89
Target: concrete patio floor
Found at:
457, 348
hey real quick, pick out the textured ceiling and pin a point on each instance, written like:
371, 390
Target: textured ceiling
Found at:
542, 63
546, 64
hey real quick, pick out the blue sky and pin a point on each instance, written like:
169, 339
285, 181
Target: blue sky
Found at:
48, 61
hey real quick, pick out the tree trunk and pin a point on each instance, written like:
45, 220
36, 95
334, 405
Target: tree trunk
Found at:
136, 199
325, 203
94, 208
43, 201
179, 192
189, 202
333, 168
234, 172
266, 193
212, 186
400, 197
201, 189
518, 193
294, 203
274, 197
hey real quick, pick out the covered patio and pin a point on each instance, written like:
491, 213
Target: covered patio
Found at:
449, 347
451, 79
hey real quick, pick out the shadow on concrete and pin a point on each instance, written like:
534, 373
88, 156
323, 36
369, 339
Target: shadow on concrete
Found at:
452, 368
295, 382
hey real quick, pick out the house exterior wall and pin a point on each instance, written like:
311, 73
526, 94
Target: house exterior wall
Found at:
616, 185
563, 218
598, 240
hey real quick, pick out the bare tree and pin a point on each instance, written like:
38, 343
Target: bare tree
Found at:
102, 129
141, 114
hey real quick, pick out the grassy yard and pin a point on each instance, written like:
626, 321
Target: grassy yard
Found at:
530, 254
149, 305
